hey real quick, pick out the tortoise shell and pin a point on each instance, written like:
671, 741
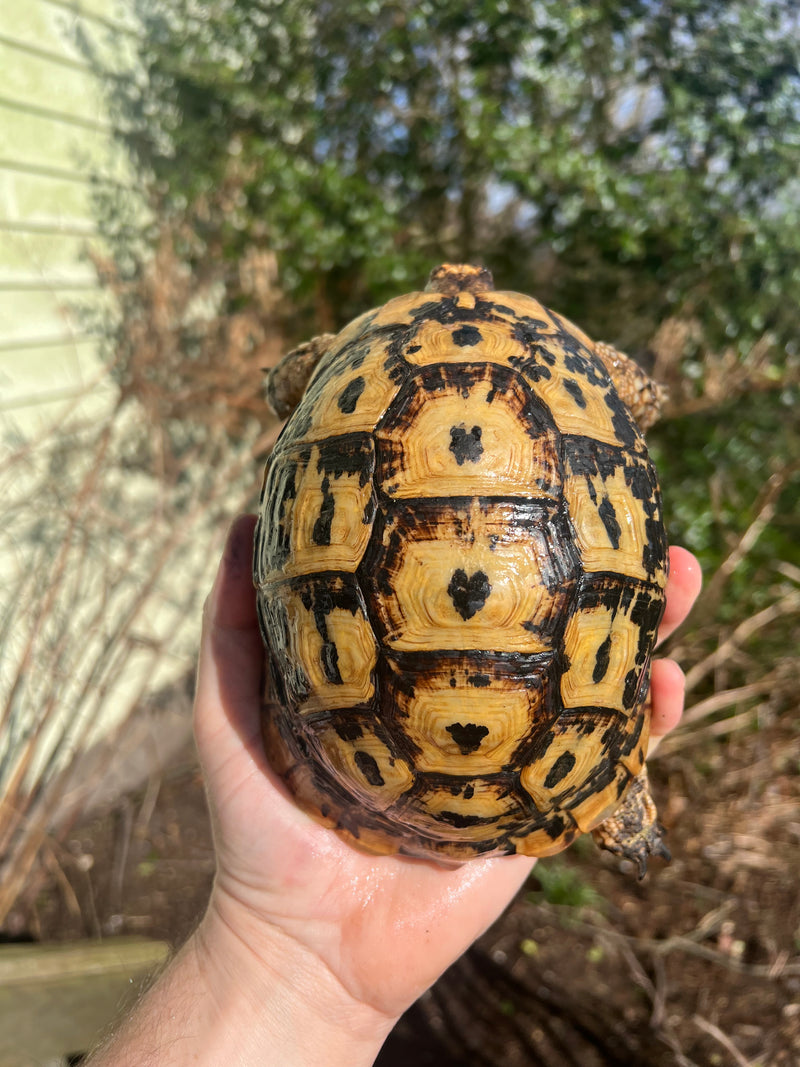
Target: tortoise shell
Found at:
460, 562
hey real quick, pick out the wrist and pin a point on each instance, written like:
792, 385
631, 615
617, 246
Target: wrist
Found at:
285, 1004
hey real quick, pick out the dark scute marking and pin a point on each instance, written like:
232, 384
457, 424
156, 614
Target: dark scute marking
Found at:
468, 736
578, 363
349, 396
602, 660
346, 455
529, 331
369, 511
469, 792
452, 683
349, 731
321, 534
554, 828
468, 593
455, 818
537, 373
480, 681
609, 517
590, 458
466, 445
329, 654
560, 769
621, 419
369, 768
575, 392
466, 336
636, 735
630, 692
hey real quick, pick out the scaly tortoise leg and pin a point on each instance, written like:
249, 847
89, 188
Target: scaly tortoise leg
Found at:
287, 381
633, 831
642, 396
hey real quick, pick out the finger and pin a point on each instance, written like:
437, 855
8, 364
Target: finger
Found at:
667, 695
683, 586
231, 651
231, 603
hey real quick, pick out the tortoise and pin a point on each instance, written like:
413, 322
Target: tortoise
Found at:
460, 562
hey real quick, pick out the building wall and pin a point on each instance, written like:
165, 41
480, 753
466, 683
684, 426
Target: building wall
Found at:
55, 140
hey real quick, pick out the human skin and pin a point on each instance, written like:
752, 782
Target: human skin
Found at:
309, 950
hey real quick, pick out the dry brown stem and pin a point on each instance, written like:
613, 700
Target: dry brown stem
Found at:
113, 529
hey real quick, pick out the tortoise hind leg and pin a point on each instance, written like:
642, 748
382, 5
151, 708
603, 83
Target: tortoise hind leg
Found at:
642, 396
287, 381
633, 831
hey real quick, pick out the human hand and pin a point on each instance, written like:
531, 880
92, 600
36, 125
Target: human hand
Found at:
354, 937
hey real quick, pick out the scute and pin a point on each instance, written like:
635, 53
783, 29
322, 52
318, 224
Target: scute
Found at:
469, 430
460, 562
470, 574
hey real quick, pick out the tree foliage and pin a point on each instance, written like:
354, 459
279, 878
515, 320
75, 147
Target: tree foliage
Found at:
635, 164
590, 147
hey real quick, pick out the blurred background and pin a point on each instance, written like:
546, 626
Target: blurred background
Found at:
189, 187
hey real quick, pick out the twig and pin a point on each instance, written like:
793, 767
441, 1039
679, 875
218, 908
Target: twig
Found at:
683, 738
728, 697
722, 1038
687, 943
785, 606
765, 511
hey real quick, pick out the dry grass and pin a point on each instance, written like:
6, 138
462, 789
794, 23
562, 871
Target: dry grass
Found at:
110, 530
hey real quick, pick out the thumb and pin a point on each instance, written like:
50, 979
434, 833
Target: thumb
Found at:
231, 650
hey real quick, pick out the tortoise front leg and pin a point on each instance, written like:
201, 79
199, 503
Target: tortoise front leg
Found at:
642, 396
633, 831
287, 381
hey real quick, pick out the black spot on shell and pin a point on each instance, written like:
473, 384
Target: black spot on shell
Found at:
455, 818
602, 660
369, 511
348, 399
575, 391
369, 768
469, 792
480, 681
560, 769
348, 454
468, 736
321, 534
452, 683
609, 517
466, 445
630, 692
537, 373
528, 331
468, 593
554, 828
467, 336
329, 654
621, 419
349, 731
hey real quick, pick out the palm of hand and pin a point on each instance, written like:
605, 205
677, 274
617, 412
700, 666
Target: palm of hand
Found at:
384, 927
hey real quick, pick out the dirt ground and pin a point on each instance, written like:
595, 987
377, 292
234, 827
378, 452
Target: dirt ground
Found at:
697, 965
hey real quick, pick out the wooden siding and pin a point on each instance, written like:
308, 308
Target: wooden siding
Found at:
55, 138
